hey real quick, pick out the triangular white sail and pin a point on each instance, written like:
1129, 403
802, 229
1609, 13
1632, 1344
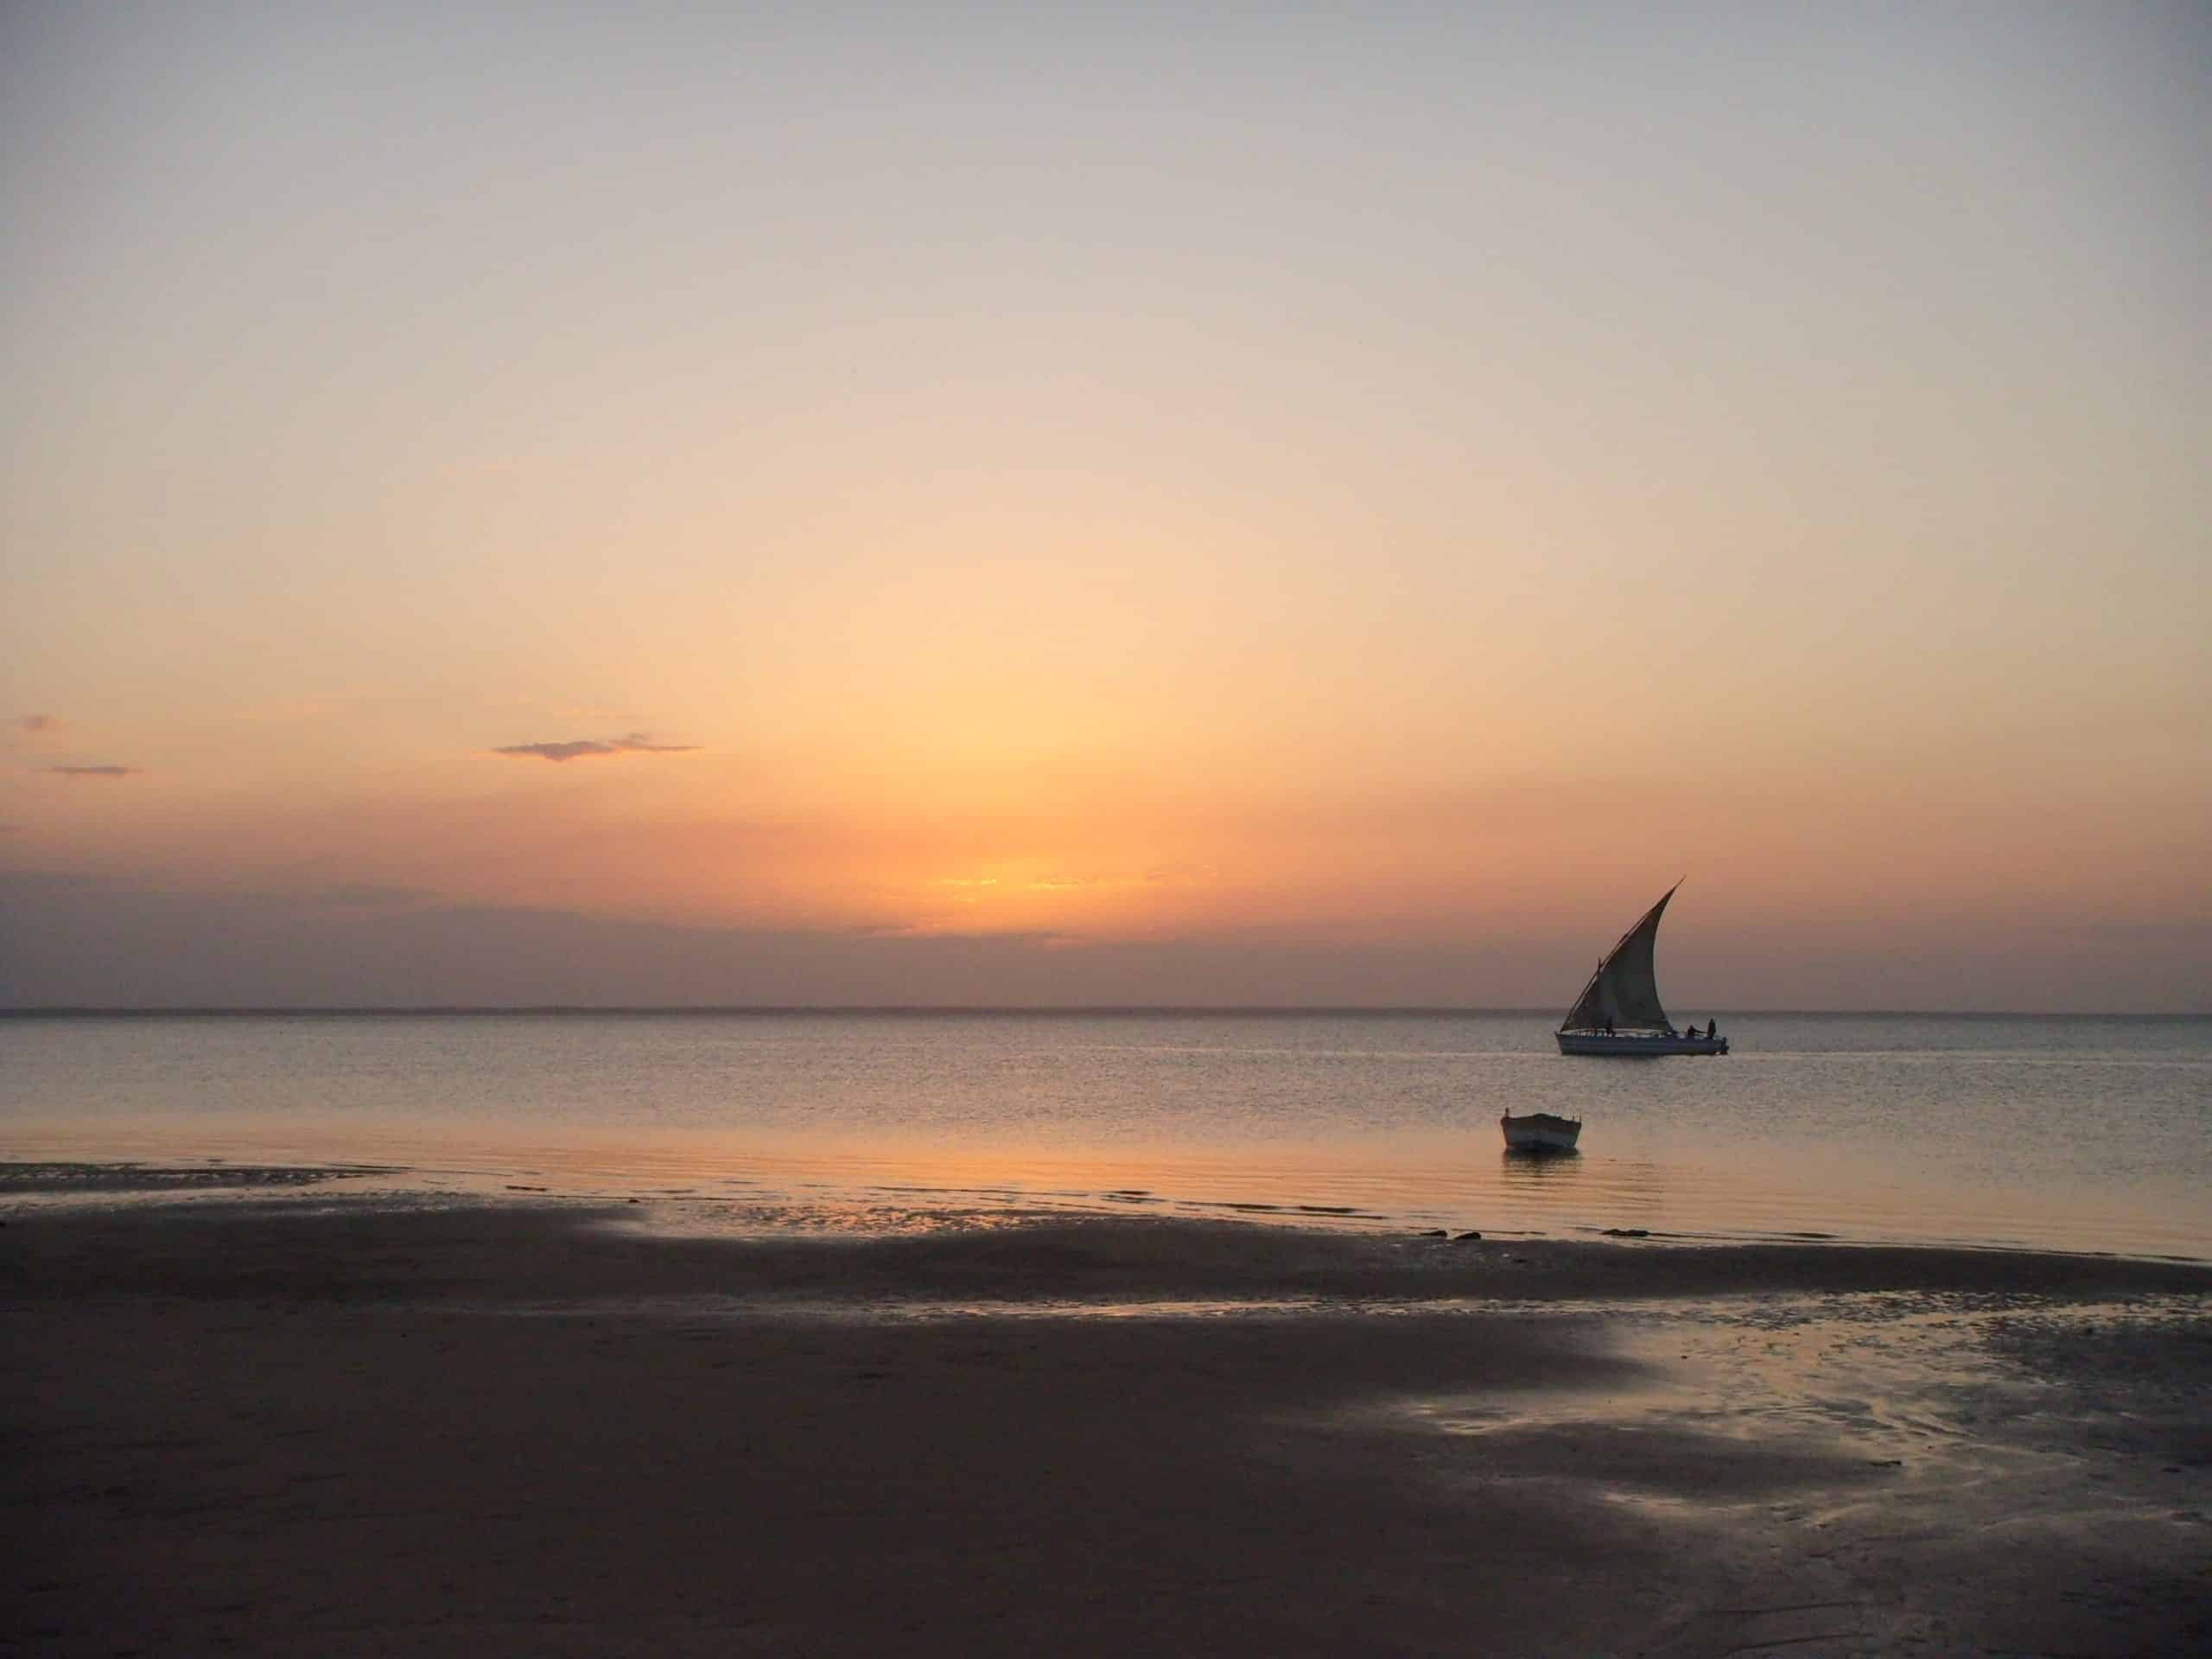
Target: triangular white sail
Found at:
1623, 995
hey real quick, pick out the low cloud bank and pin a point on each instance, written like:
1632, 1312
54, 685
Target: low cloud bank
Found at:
83, 941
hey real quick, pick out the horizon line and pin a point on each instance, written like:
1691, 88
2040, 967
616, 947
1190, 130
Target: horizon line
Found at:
35, 1011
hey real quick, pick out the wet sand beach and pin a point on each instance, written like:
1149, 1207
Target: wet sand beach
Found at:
325, 1423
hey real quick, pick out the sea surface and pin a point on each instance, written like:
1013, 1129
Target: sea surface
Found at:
2073, 1133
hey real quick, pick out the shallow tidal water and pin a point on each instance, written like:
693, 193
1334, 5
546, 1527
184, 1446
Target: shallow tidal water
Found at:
2071, 1133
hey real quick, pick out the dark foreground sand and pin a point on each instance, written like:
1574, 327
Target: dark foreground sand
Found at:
327, 1426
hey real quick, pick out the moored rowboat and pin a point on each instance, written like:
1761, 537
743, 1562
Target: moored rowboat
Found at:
1540, 1132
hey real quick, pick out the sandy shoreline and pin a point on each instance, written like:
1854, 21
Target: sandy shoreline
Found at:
338, 1427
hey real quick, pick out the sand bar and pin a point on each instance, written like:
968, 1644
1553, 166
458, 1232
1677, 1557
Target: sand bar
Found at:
325, 1423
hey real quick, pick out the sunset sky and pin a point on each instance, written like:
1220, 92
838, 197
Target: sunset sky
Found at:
1105, 503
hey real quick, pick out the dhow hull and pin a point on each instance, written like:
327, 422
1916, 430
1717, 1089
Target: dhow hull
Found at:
1598, 1043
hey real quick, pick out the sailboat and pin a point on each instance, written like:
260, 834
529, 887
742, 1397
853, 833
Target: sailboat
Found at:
1619, 1012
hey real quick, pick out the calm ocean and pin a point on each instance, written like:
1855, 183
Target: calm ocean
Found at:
2067, 1133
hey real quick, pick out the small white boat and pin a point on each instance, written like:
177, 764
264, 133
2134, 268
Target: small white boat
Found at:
1540, 1132
1619, 1014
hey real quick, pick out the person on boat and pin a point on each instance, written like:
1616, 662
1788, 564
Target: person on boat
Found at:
1609, 1027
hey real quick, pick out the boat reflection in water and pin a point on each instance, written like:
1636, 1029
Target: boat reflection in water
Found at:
1554, 1174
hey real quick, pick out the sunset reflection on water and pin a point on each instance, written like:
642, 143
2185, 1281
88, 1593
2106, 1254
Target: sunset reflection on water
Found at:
1349, 1122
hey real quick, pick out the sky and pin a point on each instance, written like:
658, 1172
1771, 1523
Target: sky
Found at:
1142, 504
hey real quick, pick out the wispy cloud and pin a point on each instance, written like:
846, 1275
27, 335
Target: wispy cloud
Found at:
39, 724
584, 748
96, 772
